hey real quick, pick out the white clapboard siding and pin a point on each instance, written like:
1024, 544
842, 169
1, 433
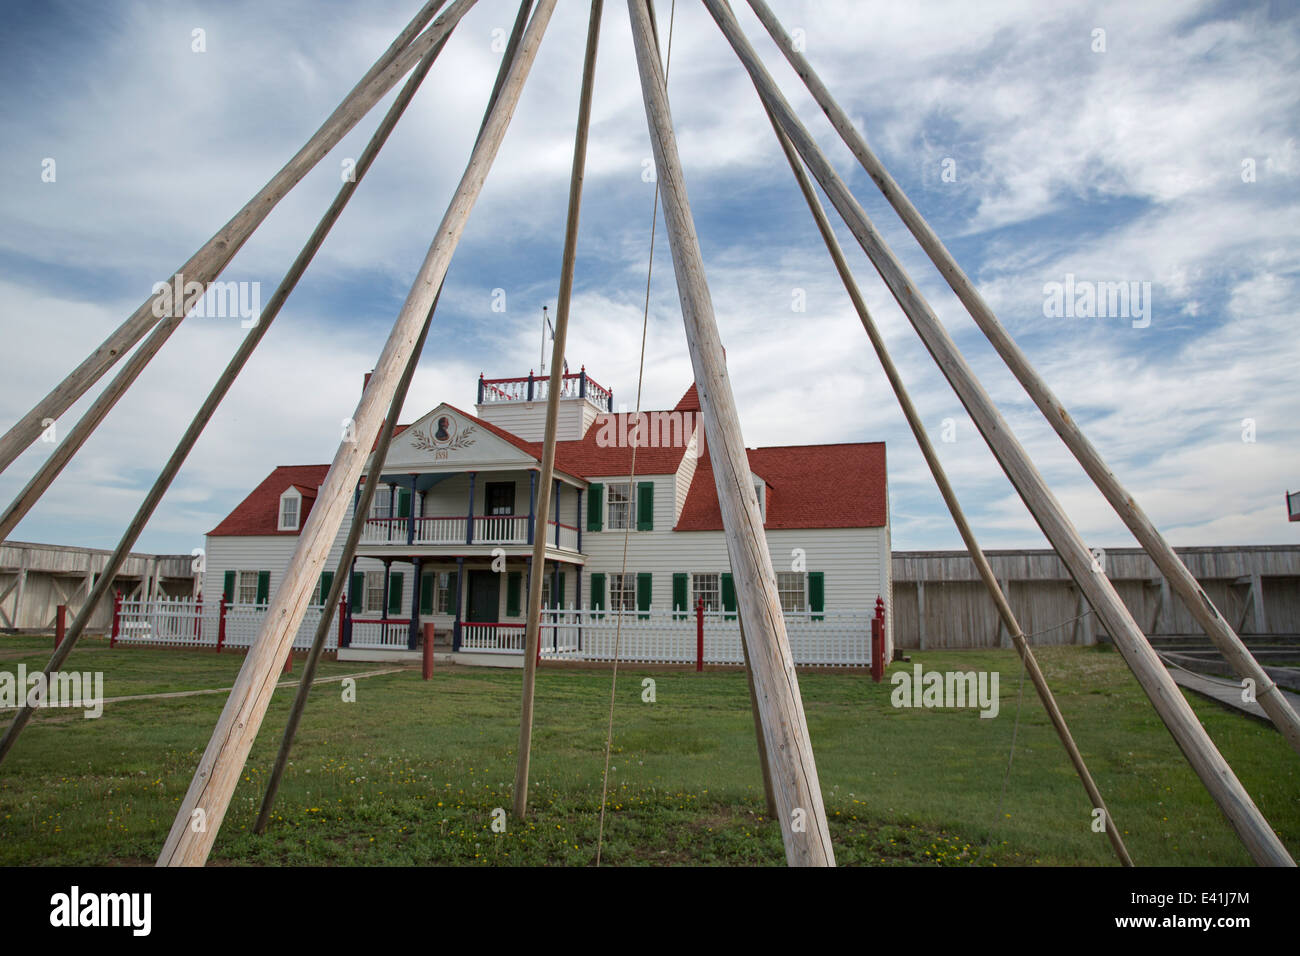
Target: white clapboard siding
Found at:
528, 419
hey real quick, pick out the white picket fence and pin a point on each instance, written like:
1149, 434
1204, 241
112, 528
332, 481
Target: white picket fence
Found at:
839, 638
828, 639
184, 622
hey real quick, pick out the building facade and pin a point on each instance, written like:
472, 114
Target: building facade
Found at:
448, 542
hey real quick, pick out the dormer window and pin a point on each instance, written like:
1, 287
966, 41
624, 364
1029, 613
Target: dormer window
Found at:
290, 510
760, 491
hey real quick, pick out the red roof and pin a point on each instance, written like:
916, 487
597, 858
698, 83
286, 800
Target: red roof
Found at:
809, 486
259, 513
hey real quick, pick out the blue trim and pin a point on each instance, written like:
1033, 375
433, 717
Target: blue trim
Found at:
410, 517
579, 524
414, 633
532, 504
557, 512
460, 585
469, 521
388, 566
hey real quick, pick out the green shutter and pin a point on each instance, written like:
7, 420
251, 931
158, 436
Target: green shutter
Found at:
816, 593
643, 595
326, 582
595, 506
403, 502
514, 585
728, 597
263, 586
681, 588
598, 592
395, 592
357, 593
427, 589
645, 506
453, 588
229, 587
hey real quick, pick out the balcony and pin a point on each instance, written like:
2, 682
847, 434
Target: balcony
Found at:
495, 391
433, 530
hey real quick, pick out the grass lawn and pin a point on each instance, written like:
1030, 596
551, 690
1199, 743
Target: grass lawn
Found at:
411, 772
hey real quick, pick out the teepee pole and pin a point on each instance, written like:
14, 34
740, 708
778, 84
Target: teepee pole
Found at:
949, 495
1267, 693
208, 262
547, 479
1168, 700
377, 458
218, 392
800, 809
204, 806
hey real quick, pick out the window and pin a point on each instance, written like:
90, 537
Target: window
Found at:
289, 503
500, 498
793, 593
760, 489
247, 592
374, 592
707, 586
622, 592
446, 595
379, 504
622, 511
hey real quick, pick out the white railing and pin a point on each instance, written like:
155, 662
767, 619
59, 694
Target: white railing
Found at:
500, 529
492, 638
390, 633
184, 622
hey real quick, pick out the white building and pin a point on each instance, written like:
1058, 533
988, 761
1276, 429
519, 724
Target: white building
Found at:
449, 539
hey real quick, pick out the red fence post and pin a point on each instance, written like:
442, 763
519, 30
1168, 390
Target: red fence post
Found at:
343, 616
288, 661
428, 654
699, 635
60, 624
117, 619
878, 642
221, 625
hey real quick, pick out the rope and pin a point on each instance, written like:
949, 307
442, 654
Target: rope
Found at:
631, 478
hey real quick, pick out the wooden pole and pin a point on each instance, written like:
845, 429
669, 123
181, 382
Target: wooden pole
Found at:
996, 591
766, 769
341, 571
380, 454
1169, 702
207, 263
1218, 629
218, 392
532, 647
800, 809
208, 798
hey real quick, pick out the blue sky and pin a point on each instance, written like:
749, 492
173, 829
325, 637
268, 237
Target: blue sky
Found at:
1122, 164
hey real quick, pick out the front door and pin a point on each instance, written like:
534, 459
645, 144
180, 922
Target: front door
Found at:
484, 597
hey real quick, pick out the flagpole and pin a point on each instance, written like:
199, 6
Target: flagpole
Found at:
541, 365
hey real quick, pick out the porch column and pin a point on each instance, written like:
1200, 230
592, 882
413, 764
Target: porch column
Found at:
414, 633
392, 512
469, 521
532, 504
460, 586
388, 566
578, 522
556, 512
352, 604
410, 513
555, 584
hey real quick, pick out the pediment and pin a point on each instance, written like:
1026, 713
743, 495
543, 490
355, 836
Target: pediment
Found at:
445, 437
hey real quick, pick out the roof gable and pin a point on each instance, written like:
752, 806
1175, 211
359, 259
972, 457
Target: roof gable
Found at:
448, 435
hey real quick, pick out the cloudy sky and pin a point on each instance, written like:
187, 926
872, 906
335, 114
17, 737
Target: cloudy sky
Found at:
1149, 143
